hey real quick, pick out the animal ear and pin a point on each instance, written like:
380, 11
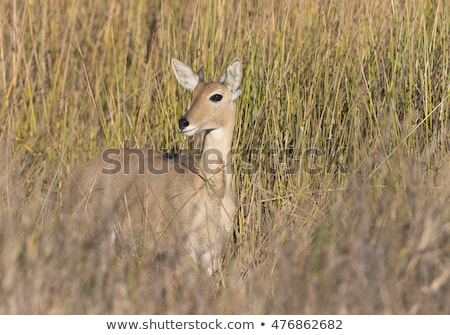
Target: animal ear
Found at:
184, 74
232, 78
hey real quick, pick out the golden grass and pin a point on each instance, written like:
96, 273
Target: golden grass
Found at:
342, 151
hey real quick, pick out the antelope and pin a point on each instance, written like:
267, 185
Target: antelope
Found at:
146, 195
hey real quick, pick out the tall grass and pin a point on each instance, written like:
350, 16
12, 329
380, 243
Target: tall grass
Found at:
342, 151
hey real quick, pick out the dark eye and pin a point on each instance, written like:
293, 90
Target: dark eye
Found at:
215, 97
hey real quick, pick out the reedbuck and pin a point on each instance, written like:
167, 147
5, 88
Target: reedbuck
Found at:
148, 197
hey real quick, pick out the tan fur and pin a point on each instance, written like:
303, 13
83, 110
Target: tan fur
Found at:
192, 202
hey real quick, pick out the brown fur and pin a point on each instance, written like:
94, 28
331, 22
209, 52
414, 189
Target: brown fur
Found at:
191, 203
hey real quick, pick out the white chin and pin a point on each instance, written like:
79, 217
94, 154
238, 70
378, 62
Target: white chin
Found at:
189, 131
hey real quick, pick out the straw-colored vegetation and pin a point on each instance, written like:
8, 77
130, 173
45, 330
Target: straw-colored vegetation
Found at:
342, 151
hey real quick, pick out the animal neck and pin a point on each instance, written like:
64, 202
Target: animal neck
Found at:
216, 157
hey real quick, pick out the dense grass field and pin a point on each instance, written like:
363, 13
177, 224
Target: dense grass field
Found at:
341, 151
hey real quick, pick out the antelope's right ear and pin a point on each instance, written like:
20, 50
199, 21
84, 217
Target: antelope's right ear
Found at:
184, 74
232, 78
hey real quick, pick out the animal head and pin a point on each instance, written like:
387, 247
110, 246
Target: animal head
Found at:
213, 103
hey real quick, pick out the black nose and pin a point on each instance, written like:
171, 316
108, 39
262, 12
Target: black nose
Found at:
183, 123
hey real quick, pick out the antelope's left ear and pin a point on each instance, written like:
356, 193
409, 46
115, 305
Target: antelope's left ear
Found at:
233, 78
185, 76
